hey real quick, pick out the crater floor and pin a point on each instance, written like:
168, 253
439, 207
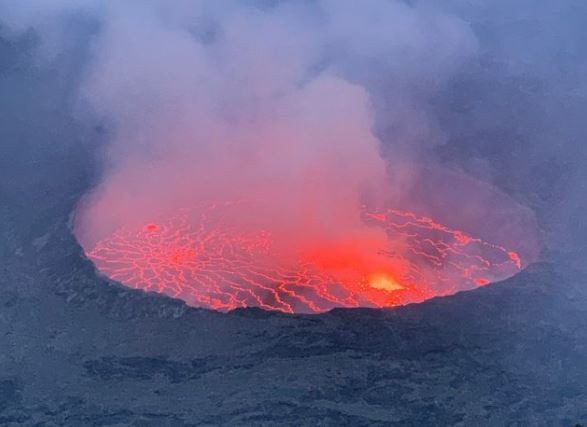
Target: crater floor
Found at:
78, 349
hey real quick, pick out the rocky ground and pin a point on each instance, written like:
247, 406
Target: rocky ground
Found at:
78, 349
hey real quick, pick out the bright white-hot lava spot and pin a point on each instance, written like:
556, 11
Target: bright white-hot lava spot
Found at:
199, 258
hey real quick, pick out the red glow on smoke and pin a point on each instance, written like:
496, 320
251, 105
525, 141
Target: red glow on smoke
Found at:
201, 259
151, 228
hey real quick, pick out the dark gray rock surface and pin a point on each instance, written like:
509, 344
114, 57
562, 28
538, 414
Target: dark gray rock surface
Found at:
78, 349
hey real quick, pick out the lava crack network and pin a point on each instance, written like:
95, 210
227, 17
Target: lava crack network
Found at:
205, 262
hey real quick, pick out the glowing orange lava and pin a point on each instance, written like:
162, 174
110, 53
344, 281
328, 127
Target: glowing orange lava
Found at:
207, 263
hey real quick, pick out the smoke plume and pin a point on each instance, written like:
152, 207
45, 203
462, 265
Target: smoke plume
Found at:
304, 111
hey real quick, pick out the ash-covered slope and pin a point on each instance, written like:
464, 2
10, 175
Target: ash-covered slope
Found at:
80, 350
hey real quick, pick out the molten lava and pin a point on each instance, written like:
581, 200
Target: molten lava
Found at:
201, 259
